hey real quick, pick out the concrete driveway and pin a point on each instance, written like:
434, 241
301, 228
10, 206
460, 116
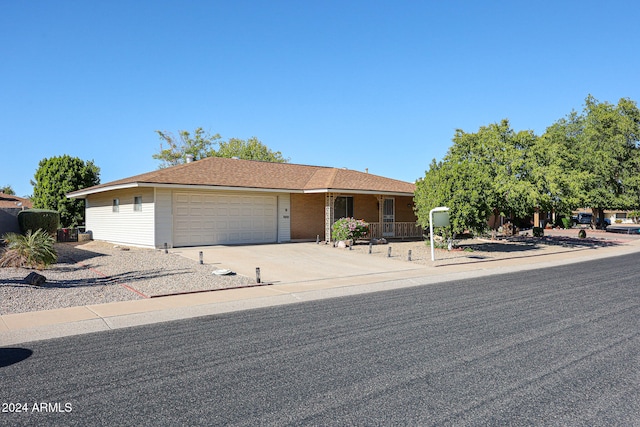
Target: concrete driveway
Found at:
296, 262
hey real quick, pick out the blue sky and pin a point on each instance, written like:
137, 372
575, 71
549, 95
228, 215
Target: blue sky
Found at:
371, 84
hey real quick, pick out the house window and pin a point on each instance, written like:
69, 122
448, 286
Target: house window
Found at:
343, 207
137, 204
115, 207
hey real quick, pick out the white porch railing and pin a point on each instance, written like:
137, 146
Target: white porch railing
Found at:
396, 230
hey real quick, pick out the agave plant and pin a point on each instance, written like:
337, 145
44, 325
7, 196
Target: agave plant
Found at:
34, 250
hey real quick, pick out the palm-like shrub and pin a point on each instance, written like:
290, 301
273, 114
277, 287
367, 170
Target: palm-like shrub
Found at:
34, 250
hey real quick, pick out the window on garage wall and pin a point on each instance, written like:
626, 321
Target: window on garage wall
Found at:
137, 204
115, 206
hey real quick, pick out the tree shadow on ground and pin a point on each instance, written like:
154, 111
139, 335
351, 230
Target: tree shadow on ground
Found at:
116, 279
524, 244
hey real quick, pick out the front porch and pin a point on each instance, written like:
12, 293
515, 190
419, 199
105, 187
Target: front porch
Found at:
389, 216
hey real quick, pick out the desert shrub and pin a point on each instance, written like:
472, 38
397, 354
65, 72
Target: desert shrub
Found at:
582, 234
538, 232
39, 219
35, 249
349, 228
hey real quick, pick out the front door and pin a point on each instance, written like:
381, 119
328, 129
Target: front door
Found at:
388, 218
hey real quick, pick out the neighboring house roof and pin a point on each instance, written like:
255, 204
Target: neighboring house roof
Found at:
11, 201
225, 173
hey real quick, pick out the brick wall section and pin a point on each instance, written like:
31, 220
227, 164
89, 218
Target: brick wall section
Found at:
307, 213
307, 216
404, 209
365, 207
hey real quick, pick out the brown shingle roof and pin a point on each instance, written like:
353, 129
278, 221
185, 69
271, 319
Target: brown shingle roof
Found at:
224, 172
11, 201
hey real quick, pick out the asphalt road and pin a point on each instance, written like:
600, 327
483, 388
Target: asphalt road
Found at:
558, 346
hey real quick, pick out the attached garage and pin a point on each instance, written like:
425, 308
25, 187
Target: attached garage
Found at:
218, 219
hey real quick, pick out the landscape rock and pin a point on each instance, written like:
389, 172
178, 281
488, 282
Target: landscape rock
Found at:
381, 241
35, 279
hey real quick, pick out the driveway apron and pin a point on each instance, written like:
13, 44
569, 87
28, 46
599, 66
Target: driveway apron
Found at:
295, 262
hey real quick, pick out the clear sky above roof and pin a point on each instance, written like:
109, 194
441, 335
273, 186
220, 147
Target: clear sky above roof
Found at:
359, 84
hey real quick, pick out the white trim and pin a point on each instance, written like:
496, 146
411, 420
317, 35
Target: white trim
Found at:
80, 194
343, 191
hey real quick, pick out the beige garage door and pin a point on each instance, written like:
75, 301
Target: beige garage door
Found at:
215, 219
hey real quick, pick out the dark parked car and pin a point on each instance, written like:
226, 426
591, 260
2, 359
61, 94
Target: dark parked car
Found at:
585, 218
582, 218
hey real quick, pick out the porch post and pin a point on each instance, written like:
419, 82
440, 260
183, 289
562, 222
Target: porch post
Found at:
328, 216
380, 215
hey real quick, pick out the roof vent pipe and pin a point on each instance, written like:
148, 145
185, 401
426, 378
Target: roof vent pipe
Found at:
189, 158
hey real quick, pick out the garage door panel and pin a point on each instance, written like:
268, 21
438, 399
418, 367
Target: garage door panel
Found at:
206, 219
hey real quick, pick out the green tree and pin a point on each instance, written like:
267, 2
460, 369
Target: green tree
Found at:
58, 176
504, 157
7, 189
489, 171
609, 145
558, 181
252, 149
199, 145
202, 144
598, 158
463, 186
589, 159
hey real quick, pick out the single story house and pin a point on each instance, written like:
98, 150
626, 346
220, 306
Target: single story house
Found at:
221, 201
10, 206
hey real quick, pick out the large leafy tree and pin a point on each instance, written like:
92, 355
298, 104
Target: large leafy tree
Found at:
554, 174
588, 159
463, 186
252, 149
489, 171
597, 156
201, 144
504, 156
7, 189
609, 145
58, 176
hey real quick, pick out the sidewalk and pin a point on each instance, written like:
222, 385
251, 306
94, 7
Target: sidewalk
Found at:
25, 327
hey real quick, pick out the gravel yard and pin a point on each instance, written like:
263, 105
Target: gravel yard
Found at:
98, 272
477, 250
